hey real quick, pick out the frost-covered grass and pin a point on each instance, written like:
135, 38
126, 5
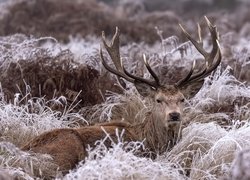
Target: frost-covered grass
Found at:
215, 126
207, 150
20, 123
116, 163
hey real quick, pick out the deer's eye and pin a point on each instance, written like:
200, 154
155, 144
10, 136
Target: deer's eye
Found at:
182, 100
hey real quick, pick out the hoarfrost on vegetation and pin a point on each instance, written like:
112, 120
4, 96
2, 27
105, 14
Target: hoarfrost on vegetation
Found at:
22, 164
222, 87
85, 50
206, 150
120, 162
28, 120
240, 166
19, 47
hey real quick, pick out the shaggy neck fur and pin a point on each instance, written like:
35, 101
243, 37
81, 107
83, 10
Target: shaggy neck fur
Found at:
158, 138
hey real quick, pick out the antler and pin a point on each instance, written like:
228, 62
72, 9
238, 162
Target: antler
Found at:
114, 53
212, 59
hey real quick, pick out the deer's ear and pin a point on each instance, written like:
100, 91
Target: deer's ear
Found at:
144, 89
190, 90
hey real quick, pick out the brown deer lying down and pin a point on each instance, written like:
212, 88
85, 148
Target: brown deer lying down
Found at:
159, 129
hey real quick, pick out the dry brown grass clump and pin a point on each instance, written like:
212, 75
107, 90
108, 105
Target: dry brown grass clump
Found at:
30, 69
52, 77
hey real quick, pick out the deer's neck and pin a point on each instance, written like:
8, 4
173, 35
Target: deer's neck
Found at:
158, 138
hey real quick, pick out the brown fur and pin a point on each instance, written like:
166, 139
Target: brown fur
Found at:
64, 145
68, 146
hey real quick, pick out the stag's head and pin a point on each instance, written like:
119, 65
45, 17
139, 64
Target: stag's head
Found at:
168, 100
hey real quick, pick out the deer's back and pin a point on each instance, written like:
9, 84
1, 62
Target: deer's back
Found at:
68, 146
64, 145
113, 130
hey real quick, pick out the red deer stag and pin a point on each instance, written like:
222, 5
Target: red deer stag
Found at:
159, 129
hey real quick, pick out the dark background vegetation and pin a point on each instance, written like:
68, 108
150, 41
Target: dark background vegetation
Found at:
136, 19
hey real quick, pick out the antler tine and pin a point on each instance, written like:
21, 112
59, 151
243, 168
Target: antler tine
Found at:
194, 42
114, 48
214, 55
218, 56
140, 79
150, 70
155, 83
180, 82
199, 33
118, 73
214, 36
114, 53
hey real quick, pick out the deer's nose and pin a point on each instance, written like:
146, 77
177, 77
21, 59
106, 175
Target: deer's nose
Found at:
175, 116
